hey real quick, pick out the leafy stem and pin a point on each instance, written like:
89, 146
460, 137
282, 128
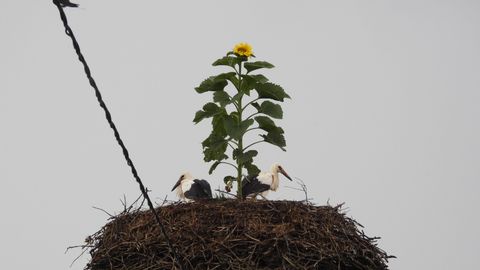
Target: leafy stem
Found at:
228, 163
240, 140
237, 105
249, 103
250, 129
252, 144
230, 140
229, 144
251, 116
228, 112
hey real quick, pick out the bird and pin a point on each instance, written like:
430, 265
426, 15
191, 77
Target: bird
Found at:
263, 182
67, 3
190, 189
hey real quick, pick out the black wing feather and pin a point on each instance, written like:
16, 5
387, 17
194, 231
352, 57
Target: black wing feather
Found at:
251, 185
200, 189
205, 186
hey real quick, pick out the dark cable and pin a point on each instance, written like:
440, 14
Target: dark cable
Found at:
69, 33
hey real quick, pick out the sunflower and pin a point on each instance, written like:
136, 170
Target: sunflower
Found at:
243, 49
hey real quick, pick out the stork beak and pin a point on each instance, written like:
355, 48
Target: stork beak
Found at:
286, 174
177, 184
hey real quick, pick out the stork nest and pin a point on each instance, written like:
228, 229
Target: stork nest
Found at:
234, 234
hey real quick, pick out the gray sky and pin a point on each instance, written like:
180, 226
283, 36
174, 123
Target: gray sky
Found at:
384, 115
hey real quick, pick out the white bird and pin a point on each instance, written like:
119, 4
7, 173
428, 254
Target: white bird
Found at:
190, 189
263, 182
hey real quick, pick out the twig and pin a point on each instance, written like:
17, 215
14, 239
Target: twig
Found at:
98, 208
78, 257
304, 188
224, 192
84, 249
134, 202
78, 246
164, 200
124, 202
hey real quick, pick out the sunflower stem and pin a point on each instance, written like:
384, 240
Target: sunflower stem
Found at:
240, 140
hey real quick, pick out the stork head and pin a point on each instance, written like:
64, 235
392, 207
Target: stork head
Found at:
184, 176
277, 168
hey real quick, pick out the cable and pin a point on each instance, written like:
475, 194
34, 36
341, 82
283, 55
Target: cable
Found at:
108, 116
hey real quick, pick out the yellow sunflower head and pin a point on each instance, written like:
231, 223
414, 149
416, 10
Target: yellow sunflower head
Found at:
243, 49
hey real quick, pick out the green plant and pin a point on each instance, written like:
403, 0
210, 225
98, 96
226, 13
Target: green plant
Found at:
232, 116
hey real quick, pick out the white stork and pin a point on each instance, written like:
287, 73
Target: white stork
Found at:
263, 182
190, 189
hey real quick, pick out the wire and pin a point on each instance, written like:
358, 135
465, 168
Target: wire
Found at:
108, 116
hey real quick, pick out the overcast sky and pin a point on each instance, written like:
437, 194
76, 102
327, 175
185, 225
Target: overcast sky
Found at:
384, 115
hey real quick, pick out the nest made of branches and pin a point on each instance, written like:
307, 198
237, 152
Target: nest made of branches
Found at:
235, 234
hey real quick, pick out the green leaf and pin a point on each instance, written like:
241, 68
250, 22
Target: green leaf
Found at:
256, 106
275, 138
252, 169
237, 97
226, 76
234, 81
247, 157
227, 61
209, 110
234, 115
250, 81
210, 154
271, 91
214, 141
214, 83
199, 116
271, 109
213, 167
221, 97
217, 123
211, 84
248, 84
251, 66
214, 148
235, 153
259, 78
267, 124
246, 124
234, 128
